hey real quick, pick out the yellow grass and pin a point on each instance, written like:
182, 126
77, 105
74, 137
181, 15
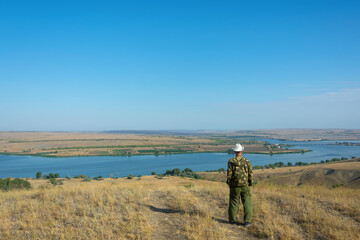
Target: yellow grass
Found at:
175, 208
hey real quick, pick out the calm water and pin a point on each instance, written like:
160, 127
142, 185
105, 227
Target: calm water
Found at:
27, 166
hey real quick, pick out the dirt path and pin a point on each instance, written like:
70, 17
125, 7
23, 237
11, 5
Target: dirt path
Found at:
164, 220
168, 225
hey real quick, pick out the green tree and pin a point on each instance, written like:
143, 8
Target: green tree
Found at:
176, 171
188, 170
38, 175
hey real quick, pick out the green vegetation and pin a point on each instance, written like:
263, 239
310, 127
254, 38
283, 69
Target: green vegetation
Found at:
289, 164
7, 184
219, 170
337, 185
187, 172
110, 146
38, 175
55, 182
51, 175
81, 176
86, 179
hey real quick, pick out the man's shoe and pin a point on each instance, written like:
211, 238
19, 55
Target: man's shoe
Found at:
247, 224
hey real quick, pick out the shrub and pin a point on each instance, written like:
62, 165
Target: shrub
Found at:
196, 176
130, 176
188, 170
98, 178
337, 185
8, 184
52, 181
153, 173
81, 176
56, 182
38, 175
86, 179
160, 176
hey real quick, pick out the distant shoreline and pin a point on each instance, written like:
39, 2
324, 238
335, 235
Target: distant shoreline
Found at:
144, 154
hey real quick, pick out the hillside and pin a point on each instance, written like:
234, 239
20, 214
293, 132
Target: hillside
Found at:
346, 173
174, 208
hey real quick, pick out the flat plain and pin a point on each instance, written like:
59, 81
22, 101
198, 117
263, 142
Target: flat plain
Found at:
68, 144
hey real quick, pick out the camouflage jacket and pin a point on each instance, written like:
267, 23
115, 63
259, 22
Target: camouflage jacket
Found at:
239, 172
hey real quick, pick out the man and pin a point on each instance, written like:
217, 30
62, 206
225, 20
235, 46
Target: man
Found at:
239, 179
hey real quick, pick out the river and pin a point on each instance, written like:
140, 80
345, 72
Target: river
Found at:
119, 166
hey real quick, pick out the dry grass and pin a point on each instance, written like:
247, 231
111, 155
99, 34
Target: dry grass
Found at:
101, 210
175, 208
345, 173
306, 212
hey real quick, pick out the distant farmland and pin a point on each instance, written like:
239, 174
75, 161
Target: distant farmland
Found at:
68, 144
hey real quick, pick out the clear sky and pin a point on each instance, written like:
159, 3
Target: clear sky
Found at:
191, 65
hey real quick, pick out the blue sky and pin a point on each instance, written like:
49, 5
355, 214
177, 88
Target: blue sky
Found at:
217, 65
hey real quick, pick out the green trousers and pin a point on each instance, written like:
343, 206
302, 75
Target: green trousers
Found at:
235, 194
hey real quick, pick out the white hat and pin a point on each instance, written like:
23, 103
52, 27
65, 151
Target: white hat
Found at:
238, 148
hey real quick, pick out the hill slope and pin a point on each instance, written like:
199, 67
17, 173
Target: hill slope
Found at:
176, 208
346, 173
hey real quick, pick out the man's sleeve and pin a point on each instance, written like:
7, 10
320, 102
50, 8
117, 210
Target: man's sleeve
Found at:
250, 175
229, 174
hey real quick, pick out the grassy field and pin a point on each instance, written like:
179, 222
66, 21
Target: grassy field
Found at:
68, 144
175, 208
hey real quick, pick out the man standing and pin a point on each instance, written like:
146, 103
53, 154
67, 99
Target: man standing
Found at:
239, 179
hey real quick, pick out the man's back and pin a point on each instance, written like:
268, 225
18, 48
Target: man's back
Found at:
239, 172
